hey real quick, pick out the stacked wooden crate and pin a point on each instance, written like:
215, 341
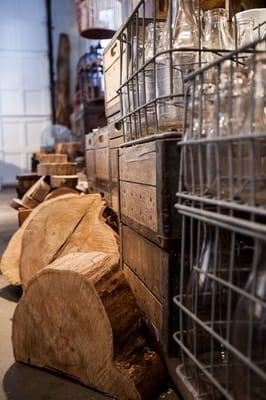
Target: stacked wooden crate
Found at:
149, 226
102, 162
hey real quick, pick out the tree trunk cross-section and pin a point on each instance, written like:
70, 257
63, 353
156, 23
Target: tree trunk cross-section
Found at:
73, 226
78, 317
75, 207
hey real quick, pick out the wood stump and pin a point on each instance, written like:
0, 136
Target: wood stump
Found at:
78, 317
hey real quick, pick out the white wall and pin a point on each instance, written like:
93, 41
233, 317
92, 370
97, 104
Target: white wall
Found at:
24, 84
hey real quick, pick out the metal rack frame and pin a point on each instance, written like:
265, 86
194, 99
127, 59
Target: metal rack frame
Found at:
234, 280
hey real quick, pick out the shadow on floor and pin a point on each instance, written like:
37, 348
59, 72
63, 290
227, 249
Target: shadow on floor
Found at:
22, 382
11, 293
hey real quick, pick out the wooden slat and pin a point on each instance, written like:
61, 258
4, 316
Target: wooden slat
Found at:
146, 260
115, 200
101, 138
102, 163
139, 203
148, 304
138, 163
90, 164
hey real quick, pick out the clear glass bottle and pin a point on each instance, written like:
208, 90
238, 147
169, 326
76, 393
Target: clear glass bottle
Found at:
149, 80
199, 126
216, 34
249, 332
132, 98
202, 294
252, 153
170, 68
234, 90
245, 31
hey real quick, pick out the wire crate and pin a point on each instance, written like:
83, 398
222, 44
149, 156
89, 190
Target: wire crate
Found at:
153, 68
221, 302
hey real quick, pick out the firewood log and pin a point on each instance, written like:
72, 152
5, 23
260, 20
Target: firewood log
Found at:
10, 262
57, 181
73, 226
61, 191
78, 317
68, 168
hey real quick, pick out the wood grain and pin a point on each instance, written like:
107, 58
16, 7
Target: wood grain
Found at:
148, 304
139, 203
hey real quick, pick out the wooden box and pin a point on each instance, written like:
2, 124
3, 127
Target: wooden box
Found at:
112, 68
148, 182
151, 272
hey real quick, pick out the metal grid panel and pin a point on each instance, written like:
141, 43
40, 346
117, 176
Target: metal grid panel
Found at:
222, 197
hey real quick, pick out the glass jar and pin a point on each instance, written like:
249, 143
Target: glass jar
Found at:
252, 153
249, 332
208, 300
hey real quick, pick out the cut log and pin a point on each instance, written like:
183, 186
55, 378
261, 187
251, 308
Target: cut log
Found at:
16, 204
24, 182
57, 181
73, 226
69, 168
78, 317
52, 158
10, 262
61, 192
23, 214
36, 194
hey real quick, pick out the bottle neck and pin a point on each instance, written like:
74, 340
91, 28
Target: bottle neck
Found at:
185, 7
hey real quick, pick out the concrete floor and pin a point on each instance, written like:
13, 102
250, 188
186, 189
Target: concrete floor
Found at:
18, 381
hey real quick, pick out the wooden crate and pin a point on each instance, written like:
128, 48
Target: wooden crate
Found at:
148, 182
112, 58
151, 274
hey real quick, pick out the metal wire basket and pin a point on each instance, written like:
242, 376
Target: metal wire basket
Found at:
152, 82
222, 197
139, 94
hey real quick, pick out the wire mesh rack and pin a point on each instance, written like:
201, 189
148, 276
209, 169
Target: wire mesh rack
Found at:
155, 60
222, 202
